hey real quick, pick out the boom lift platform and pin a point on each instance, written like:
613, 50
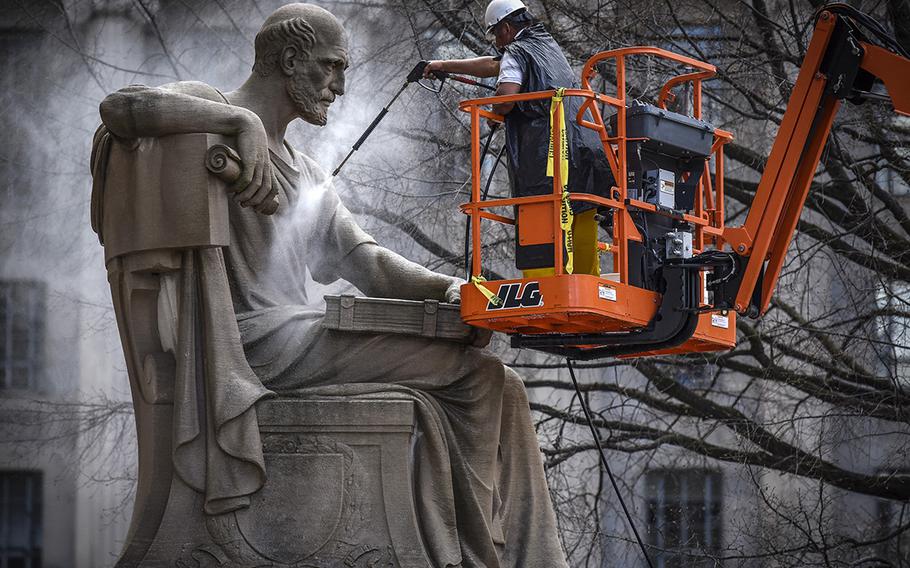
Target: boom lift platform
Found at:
680, 275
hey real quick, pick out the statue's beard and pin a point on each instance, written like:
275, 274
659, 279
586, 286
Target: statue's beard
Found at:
307, 100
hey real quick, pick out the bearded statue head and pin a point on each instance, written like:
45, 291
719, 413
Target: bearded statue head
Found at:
307, 45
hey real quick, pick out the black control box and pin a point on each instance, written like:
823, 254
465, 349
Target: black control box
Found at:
668, 133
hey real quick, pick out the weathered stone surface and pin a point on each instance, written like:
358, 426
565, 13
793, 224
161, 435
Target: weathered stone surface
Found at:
338, 494
230, 475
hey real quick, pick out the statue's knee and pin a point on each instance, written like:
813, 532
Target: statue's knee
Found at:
514, 387
487, 370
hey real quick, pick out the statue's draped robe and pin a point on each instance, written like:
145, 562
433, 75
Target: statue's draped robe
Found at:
481, 494
478, 476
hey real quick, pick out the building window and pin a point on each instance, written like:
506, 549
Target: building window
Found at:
894, 527
705, 42
22, 310
20, 519
18, 81
889, 178
695, 376
894, 327
684, 516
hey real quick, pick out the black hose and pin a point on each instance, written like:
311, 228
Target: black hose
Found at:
867, 22
467, 227
603, 460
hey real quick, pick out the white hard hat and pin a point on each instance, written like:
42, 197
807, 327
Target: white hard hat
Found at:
499, 9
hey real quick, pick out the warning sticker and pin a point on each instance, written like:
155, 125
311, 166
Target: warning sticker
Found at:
718, 320
606, 292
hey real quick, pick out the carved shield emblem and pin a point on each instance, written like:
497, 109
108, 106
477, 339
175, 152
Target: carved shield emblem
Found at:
299, 508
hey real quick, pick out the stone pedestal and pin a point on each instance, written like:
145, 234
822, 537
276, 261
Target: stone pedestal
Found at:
338, 494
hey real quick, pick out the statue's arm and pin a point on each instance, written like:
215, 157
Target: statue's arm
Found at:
381, 273
139, 112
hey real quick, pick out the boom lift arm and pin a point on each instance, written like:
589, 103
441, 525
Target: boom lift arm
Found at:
839, 64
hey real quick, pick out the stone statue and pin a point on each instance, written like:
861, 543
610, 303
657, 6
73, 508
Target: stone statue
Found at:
234, 295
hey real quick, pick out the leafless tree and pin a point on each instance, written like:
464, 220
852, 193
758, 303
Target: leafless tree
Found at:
810, 410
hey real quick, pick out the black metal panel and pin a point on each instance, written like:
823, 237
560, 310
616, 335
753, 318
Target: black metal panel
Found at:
668, 133
672, 325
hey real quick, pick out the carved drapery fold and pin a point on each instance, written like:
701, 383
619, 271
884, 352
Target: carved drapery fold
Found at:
215, 391
152, 195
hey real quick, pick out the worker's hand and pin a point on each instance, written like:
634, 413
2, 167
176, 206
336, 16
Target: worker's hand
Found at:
254, 187
432, 67
493, 124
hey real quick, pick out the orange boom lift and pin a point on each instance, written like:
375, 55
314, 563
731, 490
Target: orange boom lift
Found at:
680, 276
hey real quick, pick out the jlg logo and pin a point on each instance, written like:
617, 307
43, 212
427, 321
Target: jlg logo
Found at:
513, 296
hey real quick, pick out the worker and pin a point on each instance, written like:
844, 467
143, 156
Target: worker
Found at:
531, 60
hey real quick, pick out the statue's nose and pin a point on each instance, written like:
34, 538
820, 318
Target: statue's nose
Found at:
337, 84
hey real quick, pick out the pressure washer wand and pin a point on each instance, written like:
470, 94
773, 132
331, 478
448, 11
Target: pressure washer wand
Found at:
414, 76
369, 129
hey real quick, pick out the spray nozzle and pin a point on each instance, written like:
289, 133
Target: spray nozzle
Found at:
416, 73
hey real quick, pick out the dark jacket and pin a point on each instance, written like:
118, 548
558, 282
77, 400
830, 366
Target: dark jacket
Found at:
528, 124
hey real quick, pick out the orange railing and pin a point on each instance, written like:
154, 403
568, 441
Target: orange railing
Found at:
708, 215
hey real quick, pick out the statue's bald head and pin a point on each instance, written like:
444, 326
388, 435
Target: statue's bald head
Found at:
297, 25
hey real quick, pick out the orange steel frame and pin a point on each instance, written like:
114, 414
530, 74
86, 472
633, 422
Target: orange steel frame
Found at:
794, 157
571, 302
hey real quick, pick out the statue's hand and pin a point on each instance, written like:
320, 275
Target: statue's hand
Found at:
453, 292
480, 337
254, 187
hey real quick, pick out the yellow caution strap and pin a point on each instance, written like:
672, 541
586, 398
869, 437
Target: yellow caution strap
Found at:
566, 218
557, 106
477, 281
565, 214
